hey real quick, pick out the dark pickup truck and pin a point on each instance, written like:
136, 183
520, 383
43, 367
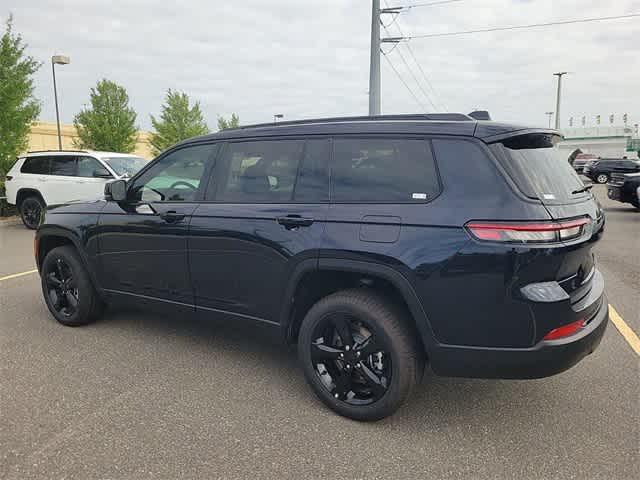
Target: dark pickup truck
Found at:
625, 188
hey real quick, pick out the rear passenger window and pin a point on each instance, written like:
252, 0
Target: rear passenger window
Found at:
260, 172
383, 170
36, 165
63, 166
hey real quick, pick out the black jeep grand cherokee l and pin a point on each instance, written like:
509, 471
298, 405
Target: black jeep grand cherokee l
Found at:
377, 244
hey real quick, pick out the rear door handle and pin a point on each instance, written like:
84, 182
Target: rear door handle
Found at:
172, 216
294, 221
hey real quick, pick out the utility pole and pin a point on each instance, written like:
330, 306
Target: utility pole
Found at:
559, 75
374, 64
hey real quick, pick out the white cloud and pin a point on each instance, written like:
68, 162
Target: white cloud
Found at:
311, 58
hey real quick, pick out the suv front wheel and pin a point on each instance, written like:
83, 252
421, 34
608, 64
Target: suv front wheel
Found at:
359, 354
31, 212
67, 288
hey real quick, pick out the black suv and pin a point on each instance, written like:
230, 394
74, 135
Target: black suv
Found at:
375, 243
600, 170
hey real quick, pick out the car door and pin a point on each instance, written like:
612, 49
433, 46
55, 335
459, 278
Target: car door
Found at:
90, 178
263, 216
61, 184
142, 242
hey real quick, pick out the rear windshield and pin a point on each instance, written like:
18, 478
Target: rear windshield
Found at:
539, 169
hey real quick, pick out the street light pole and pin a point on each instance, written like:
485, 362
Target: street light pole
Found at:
276, 116
549, 114
374, 64
59, 60
559, 75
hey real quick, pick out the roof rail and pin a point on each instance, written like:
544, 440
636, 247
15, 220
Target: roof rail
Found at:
63, 151
451, 117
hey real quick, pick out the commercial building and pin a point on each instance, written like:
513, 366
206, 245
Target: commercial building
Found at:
604, 141
44, 136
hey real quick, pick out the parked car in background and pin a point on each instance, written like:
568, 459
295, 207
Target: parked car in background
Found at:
582, 159
41, 179
600, 170
358, 239
625, 188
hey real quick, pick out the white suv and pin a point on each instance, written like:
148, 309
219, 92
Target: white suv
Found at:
38, 179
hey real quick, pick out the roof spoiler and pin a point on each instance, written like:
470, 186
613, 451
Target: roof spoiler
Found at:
480, 115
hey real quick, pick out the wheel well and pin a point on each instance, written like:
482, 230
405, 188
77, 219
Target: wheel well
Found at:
320, 283
48, 243
27, 192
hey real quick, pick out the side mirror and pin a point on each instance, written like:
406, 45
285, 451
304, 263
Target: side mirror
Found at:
116, 191
102, 172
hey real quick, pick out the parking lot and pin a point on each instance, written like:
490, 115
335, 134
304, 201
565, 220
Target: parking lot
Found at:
137, 396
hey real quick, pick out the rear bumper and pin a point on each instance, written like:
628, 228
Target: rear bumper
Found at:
544, 359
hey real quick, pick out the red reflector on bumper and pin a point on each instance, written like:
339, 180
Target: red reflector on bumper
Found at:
565, 330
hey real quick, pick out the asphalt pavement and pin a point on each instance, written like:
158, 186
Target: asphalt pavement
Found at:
136, 396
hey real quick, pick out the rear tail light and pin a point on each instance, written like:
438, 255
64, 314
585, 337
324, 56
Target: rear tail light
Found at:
565, 330
526, 232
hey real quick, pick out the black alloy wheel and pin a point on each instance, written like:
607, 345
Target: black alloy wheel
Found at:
360, 353
31, 211
351, 362
62, 289
67, 288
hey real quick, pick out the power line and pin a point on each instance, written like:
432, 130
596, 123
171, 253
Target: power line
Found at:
520, 27
403, 82
428, 97
415, 59
428, 4
442, 104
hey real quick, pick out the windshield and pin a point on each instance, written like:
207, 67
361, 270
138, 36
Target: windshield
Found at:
539, 169
125, 166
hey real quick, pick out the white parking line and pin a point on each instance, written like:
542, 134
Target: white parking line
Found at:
16, 275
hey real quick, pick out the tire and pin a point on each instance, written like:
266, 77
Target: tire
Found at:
402, 358
32, 211
602, 178
67, 288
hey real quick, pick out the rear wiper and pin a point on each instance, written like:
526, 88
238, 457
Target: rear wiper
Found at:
586, 188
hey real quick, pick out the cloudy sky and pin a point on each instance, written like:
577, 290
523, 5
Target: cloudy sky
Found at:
309, 58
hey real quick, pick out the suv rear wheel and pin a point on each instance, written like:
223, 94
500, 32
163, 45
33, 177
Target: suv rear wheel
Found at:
67, 288
602, 178
32, 211
359, 354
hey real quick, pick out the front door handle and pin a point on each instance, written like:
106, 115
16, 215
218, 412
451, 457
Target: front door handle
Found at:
172, 216
294, 221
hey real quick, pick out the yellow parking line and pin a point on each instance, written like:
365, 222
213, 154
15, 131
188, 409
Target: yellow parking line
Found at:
16, 275
624, 329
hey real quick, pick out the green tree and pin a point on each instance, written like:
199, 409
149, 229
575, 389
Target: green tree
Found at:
18, 107
178, 121
233, 122
110, 123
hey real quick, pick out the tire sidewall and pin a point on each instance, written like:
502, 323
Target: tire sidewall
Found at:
86, 294
402, 372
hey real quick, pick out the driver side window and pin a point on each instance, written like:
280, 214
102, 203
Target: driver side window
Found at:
174, 178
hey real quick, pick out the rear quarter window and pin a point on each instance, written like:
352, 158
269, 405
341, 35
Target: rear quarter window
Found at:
383, 170
36, 165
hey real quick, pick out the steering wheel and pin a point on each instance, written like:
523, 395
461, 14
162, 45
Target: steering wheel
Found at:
182, 183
